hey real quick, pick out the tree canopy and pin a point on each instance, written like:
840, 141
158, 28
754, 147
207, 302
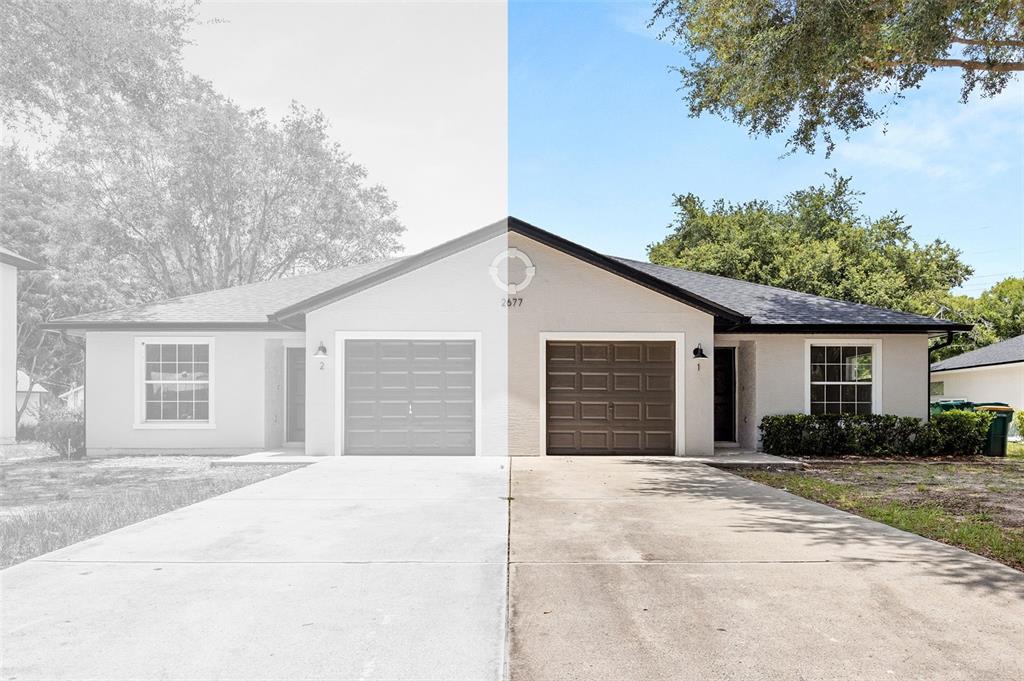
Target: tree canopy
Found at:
817, 241
772, 64
61, 60
997, 314
207, 195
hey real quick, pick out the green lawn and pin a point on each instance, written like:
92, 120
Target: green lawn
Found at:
976, 506
49, 503
1015, 450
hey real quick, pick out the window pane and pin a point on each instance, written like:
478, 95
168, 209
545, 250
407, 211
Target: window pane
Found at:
817, 372
168, 353
833, 372
202, 411
201, 353
818, 408
201, 371
864, 393
833, 354
849, 393
832, 408
152, 353
152, 410
817, 393
848, 351
863, 407
817, 354
185, 411
185, 353
169, 411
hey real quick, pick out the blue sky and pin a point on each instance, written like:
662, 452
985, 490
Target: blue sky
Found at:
599, 140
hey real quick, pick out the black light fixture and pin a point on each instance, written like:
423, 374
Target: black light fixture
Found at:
321, 350
698, 352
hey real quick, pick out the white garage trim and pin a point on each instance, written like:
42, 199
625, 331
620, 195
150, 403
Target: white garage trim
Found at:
611, 336
339, 374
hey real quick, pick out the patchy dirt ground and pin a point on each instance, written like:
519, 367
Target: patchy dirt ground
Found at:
977, 505
964, 489
31, 483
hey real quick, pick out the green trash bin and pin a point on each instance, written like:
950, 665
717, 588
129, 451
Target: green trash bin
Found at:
949, 405
999, 431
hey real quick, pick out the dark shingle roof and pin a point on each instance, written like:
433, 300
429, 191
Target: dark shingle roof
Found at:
768, 305
737, 305
247, 304
1004, 352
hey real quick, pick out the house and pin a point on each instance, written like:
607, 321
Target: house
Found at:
31, 397
74, 399
507, 340
994, 373
10, 263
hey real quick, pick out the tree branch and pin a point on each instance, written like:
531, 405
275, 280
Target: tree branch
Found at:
1008, 42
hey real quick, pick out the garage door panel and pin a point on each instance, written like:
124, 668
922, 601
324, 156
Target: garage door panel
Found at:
410, 397
627, 382
610, 397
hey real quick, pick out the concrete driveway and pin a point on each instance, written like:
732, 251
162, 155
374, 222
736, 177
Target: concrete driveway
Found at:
650, 569
360, 568
391, 569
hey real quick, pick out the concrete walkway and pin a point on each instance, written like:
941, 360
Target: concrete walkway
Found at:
655, 569
394, 569
359, 568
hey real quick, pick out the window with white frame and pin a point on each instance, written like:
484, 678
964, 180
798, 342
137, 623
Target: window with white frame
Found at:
177, 382
841, 379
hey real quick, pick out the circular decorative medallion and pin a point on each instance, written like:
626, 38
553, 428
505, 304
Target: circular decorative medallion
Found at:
512, 270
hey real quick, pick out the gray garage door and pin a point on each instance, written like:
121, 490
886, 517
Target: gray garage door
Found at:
611, 398
410, 397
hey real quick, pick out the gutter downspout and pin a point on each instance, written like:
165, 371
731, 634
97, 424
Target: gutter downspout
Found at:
931, 348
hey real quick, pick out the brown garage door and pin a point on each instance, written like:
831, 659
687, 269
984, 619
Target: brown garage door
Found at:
410, 397
610, 398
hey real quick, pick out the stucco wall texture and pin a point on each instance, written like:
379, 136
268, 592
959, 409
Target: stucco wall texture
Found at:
458, 295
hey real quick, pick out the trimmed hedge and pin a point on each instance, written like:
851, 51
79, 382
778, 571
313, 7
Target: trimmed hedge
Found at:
951, 433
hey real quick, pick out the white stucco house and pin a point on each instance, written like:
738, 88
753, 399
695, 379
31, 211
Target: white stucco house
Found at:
10, 263
994, 373
509, 340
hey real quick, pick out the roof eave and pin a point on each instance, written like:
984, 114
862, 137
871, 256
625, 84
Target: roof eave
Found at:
83, 326
19, 262
842, 328
939, 370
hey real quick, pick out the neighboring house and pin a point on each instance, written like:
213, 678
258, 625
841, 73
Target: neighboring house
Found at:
74, 399
33, 397
10, 263
508, 340
994, 373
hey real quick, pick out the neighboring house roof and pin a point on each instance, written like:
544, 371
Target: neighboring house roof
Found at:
24, 382
9, 257
1008, 351
737, 305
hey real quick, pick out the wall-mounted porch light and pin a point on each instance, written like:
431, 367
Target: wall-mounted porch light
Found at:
321, 351
698, 354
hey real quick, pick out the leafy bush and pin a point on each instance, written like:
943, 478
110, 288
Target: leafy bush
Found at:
63, 430
1018, 419
26, 432
952, 433
961, 433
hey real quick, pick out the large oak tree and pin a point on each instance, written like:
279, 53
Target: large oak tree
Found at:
815, 241
815, 67
208, 195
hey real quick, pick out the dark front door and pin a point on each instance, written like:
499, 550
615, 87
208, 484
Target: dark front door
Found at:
410, 397
610, 397
725, 394
295, 396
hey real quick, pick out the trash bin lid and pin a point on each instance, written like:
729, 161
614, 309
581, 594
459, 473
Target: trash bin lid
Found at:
992, 407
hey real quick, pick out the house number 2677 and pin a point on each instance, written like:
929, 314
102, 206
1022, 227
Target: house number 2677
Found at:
511, 302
